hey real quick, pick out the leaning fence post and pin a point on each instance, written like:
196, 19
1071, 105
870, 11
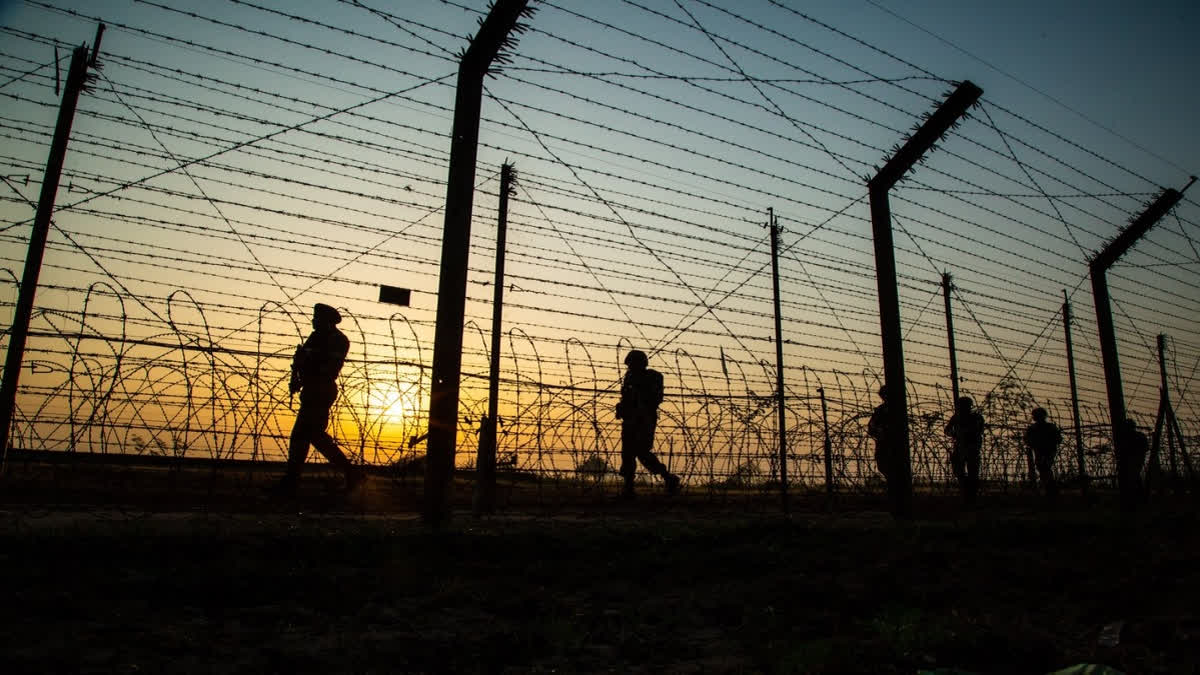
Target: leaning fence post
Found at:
19, 331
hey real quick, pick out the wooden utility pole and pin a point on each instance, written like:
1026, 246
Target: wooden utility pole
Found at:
494, 34
485, 462
1098, 268
19, 332
779, 402
950, 340
922, 140
1083, 475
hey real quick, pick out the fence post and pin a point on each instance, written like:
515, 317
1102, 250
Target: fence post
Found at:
950, 340
494, 34
779, 360
828, 446
19, 332
485, 462
921, 141
1083, 475
1167, 423
783, 483
1153, 468
1098, 268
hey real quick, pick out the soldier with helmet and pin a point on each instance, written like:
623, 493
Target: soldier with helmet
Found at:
641, 394
966, 429
315, 369
877, 428
1043, 438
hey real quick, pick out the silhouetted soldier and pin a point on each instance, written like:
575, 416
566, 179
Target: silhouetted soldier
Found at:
315, 369
1043, 438
641, 393
877, 429
966, 428
1131, 450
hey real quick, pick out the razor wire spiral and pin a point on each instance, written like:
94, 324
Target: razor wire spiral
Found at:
178, 393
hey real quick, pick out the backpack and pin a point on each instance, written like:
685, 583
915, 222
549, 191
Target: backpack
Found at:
654, 387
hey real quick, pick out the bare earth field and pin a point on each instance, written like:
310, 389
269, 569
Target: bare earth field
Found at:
655, 585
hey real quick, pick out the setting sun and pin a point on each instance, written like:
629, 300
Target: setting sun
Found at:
394, 403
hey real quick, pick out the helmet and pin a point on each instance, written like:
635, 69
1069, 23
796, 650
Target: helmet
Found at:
1039, 414
965, 402
326, 314
637, 359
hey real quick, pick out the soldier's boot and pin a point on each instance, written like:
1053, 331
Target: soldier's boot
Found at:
627, 489
672, 481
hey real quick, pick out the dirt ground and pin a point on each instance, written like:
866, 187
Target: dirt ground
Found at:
613, 587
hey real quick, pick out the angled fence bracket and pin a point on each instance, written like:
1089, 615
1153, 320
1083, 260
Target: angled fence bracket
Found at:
922, 140
495, 33
1098, 269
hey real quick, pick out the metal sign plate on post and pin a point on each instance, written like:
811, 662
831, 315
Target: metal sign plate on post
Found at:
394, 296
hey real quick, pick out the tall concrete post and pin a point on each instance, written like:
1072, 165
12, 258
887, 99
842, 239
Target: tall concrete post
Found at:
779, 398
1079, 456
494, 33
950, 339
922, 140
1098, 268
19, 332
485, 461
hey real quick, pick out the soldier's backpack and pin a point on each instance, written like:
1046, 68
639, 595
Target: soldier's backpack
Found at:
654, 387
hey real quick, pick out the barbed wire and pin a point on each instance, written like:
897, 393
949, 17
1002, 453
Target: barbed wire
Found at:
675, 422
596, 250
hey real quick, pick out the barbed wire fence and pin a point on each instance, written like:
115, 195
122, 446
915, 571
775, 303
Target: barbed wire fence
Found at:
231, 168
179, 396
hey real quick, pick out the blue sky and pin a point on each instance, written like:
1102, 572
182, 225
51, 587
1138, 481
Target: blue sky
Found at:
1126, 66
